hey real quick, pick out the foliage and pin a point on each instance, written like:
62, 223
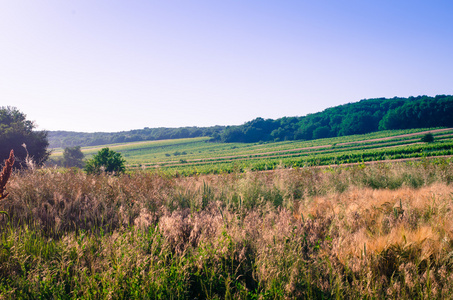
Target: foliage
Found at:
73, 157
353, 118
420, 112
17, 133
428, 138
105, 160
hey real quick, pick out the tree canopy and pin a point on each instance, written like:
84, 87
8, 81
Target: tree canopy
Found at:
73, 157
17, 133
352, 118
106, 160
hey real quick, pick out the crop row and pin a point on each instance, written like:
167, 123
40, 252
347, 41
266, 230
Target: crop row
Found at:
321, 159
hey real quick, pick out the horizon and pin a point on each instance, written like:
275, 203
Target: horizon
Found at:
194, 126
110, 66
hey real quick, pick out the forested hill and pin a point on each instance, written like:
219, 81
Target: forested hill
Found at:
353, 118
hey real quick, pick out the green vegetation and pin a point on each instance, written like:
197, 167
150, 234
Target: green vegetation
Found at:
354, 118
428, 138
199, 156
16, 132
361, 232
73, 157
105, 161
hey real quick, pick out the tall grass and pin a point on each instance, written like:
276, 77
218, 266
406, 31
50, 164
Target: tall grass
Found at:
377, 231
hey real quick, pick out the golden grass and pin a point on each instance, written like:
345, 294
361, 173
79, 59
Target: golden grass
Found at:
359, 232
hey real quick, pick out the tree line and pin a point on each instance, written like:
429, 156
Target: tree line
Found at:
62, 139
353, 118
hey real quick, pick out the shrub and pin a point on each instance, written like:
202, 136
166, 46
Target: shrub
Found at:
106, 160
428, 138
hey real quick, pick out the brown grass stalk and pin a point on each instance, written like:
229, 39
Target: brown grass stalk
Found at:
6, 173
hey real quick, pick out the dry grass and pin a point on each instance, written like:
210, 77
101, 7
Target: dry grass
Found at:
5, 174
382, 231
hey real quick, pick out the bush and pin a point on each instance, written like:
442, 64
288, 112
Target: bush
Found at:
105, 160
428, 138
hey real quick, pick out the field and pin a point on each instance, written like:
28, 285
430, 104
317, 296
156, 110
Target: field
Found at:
199, 156
346, 230
381, 231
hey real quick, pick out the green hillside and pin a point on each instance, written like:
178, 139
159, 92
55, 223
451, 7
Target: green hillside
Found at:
353, 118
198, 155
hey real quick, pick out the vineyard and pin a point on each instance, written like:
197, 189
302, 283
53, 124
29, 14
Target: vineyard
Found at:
200, 156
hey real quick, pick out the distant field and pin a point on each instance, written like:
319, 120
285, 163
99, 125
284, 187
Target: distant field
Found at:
198, 155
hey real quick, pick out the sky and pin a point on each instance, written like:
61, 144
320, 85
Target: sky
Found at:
110, 65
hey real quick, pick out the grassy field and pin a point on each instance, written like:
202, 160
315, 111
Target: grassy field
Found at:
381, 231
198, 155
297, 231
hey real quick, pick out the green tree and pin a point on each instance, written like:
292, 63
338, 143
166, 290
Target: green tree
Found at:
17, 133
73, 157
106, 160
321, 132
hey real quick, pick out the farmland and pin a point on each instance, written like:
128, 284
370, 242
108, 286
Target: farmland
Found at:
199, 155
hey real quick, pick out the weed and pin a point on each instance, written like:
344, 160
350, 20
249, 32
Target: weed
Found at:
367, 231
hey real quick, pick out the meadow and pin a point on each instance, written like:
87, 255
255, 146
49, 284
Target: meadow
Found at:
381, 231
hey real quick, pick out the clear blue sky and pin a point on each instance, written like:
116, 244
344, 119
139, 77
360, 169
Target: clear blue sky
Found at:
107, 65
